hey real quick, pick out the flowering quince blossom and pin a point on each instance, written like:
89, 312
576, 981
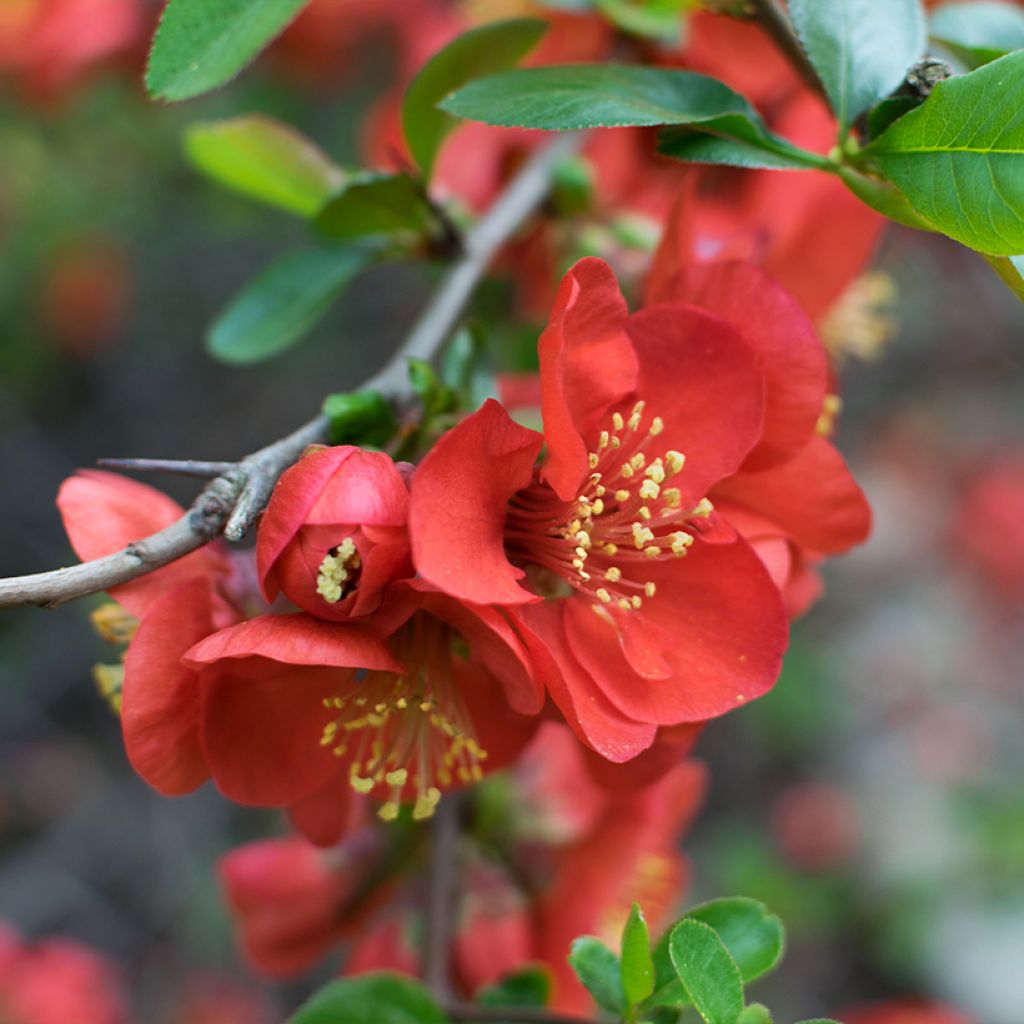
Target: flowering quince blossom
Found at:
582, 854
641, 603
56, 981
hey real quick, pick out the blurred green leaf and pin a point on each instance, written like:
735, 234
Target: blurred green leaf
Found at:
372, 204
978, 32
707, 971
755, 1013
201, 44
530, 986
360, 417
637, 967
597, 967
491, 47
275, 311
652, 19
962, 172
861, 49
754, 937
370, 999
770, 153
434, 397
265, 160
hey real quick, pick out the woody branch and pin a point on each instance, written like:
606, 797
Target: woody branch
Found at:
237, 495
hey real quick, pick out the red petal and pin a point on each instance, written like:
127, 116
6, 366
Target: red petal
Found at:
775, 327
160, 708
326, 816
670, 747
586, 365
728, 632
104, 512
459, 498
697, 374
812, 498
594, 719
297, 640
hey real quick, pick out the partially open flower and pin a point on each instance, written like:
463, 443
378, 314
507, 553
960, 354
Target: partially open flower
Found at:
333, 537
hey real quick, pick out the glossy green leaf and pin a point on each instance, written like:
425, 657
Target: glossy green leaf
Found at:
274, 311
964, 172
754, 937
372, 204
755, 1013
201, 44
615, 96
597, 967
979, 32
884, 197
530, 986
861, 49
1011, 271
360, 417
708, 973
668, 989
637, 967
770, 153
489, 48
370, 999
265, 160
888, 111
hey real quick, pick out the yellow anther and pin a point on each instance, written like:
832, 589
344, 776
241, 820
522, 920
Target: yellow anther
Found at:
638, 460
622, 495
656, 471
574, 527
582, 538
672, 497
336, 570
650, 588
599, 491
613, 574
657, 426
676, 460
617, 421
649, 490
680, 542
610, 549
634, 419
703, 508
598, 507
641, 535
602, 441
425, 803
577, 563
388, 812
627, 470
635, 601
397, 778
401, 703
645, 512
581, 553
380, 708
624, 604
602, 595
652, 552
592, 460
359, 784
616, 443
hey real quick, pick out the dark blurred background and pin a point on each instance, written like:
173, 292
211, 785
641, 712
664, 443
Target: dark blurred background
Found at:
873, 800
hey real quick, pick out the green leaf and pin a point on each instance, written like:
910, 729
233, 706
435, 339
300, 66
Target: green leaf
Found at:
1011, 270
200, 44
370, 999
615, 96
434, 397
755, 1013
710, 976
265, 160
979, 32
774, 153
491, 47
651, 19
861, 49
274, 311
885, 198
597, 967
961, 171
360, 417
890, 110
530, 986
668, 989
637, 967
754, 937
372, 204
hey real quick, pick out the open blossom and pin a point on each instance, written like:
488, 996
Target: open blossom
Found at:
657, 611
580, 856
334, 537
162, 615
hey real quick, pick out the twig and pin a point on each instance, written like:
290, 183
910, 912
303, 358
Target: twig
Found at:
441, 896
231, 503
518, 1014
179, 467
777, 24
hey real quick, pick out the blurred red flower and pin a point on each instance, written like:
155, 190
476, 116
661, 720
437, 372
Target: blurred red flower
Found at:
904, 1012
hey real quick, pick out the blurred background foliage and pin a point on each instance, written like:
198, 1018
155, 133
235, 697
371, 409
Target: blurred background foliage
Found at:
873, 799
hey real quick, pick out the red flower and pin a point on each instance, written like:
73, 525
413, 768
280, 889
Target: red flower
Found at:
177, 606
298, 712
56, 981
904, 1011
644, 416
333, 536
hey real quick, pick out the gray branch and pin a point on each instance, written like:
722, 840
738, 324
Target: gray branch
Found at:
232, 502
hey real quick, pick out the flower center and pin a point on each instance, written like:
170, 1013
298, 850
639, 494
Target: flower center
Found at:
338, 571
624, 515
409, 735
